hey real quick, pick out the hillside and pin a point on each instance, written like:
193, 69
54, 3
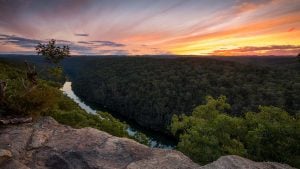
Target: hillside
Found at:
46, 99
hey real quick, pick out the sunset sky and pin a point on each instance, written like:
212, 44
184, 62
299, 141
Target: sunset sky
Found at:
138, 27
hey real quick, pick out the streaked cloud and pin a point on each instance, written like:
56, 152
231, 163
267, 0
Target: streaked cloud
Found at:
263, 50
81, 34
82, 47
18, 41
107, 43
198, 27
85, 42
102, 43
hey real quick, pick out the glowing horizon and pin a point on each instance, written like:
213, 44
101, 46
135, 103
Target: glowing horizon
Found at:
141, 27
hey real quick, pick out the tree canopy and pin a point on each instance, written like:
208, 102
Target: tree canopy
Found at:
151, 90
209, 133
270, 134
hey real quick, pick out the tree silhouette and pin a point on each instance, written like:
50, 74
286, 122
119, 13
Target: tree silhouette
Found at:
52, 52
298, 57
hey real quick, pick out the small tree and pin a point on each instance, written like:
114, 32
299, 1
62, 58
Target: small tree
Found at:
298, 57
52, 52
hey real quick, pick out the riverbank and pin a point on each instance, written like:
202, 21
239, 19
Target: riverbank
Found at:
156, 140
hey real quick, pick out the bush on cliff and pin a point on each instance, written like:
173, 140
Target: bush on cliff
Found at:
271, 134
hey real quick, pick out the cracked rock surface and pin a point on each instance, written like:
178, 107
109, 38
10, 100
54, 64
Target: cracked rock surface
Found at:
46, 144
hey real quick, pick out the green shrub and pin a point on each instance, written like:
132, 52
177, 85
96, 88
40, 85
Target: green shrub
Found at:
209, 133
271, 134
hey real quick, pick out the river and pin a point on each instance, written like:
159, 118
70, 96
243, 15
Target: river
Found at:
157, 140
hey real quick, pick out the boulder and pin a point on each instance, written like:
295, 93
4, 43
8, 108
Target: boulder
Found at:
48, 144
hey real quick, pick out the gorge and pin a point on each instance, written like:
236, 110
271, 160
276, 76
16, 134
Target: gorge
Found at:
156, 140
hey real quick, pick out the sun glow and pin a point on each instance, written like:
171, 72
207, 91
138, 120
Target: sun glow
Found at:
142, 27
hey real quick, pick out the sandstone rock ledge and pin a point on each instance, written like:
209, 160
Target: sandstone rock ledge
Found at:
47, 144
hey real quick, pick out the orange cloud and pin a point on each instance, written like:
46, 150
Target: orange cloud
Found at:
264, 50
259, 33
291, 29
249, 28
146, 27
249, 6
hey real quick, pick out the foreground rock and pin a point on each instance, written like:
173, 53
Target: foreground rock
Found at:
15, 120
47, 144
236, 162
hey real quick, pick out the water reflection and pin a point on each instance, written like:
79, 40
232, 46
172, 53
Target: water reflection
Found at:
67, 90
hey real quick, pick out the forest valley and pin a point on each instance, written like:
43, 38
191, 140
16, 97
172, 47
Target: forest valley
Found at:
211, 106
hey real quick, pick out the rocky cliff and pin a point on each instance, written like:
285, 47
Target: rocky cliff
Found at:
47, 144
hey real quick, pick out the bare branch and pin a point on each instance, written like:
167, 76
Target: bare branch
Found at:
3, 86
31, 74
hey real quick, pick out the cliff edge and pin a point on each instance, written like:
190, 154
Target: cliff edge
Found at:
48, 144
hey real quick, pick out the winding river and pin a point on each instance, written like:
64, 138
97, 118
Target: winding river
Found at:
156, 140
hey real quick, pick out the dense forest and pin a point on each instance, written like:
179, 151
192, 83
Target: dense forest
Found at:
152, 90
214, 107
